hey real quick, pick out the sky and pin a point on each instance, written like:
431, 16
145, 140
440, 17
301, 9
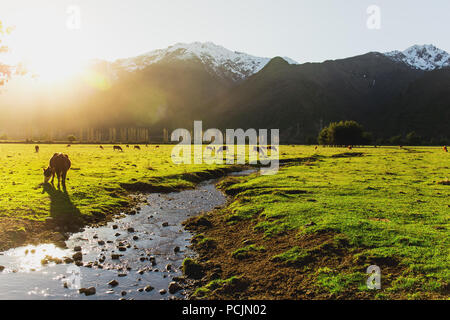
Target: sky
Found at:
305, 31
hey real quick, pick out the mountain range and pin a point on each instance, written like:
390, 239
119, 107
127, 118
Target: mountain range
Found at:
390, 94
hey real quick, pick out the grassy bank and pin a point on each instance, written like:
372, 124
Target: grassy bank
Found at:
311, 231
99, 185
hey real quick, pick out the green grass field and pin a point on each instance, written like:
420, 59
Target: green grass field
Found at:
384, 205
388, 206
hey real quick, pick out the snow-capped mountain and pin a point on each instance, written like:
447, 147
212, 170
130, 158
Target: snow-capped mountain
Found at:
217, 59
425, 57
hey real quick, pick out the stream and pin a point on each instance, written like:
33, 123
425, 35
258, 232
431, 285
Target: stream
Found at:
141, 252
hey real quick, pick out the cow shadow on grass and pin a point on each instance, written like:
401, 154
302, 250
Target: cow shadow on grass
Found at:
62, 210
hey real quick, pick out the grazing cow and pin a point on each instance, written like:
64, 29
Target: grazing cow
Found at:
101, 147
445, 149
222, 149
137, 147
349, 147
36, 148
68, 145
156, 146
315, 148
59, 165
118, 148
259, 150
128, 146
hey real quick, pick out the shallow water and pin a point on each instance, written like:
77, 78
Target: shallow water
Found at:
24, 276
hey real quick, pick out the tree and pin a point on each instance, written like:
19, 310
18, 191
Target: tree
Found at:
5, 70
71, 138
413, 139
396, 140
343, 133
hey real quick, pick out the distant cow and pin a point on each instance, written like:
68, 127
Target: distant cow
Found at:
156, 146
128, 146
222, 149
101, 147
349, 147
118, 148
315, 148
445, 149
137, 147
68, 145
59, 165
259, 150
36, 148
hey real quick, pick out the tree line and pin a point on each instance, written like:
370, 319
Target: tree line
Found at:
349, 132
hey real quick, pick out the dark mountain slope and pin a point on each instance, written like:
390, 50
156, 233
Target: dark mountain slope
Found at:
300, 99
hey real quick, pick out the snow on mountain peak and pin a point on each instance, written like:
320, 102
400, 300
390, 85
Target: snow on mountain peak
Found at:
217, 59
424, 57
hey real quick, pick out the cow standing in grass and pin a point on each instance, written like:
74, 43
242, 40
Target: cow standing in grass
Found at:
36, 148
445, 149
59, 165
118, 148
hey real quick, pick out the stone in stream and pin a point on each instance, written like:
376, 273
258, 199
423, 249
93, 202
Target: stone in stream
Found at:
165, 224
169, 267
174, 287
115, 256
87, 291
135, 238
115, 226
113, 283
148, 288
141, 271
130, 229
77, 248
140, 289
68, 260
163, 291
152, 259
122, 275
77, 256
122, 248
176, 249
117, 234
2, 268
101, 243
123, 293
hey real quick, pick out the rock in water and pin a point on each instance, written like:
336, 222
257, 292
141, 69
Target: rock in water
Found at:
77, 256
174, 287
148, 288
88, 291
113, 283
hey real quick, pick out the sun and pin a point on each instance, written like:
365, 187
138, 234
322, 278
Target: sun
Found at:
49, 51
49, 68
